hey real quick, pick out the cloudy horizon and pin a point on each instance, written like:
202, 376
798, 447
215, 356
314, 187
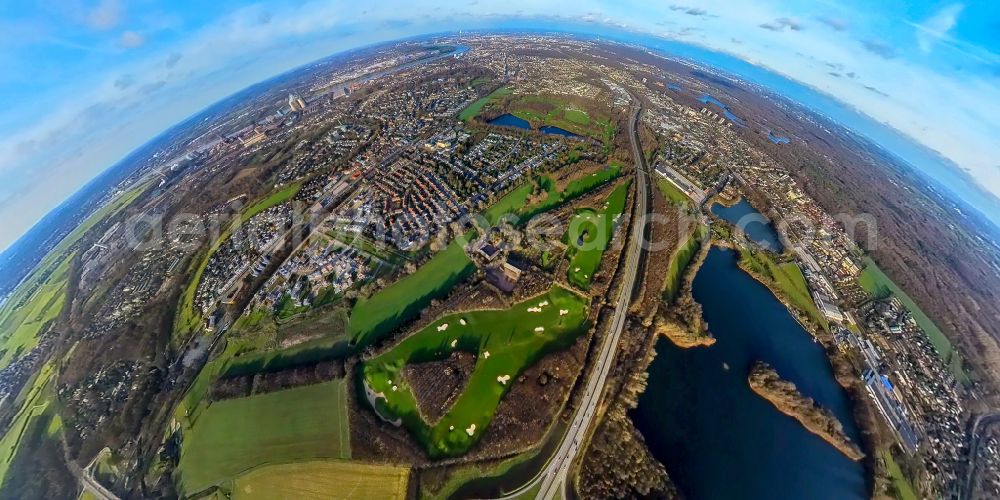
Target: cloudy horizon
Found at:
88, 82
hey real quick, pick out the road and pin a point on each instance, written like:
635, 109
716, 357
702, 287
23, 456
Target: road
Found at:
975, 439
552, 480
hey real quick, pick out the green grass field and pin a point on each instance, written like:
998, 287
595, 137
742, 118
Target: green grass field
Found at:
674, 195
588, 236
877, 283
680, 260
574, 189
188, 320
904, 491
33, 403
401, 301
505, 341
788, 278
323, 479
509, 204
232, 436
476, 107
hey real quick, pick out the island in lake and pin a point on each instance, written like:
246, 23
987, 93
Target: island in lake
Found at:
766, 382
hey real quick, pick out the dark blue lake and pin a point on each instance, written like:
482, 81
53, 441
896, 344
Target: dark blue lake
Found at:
707, 99
753, 224
777, 139
509, 120
549, 129
716, 437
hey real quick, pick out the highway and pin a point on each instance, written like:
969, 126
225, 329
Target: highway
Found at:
552, 480
975, 439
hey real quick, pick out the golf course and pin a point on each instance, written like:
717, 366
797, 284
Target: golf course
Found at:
505, 342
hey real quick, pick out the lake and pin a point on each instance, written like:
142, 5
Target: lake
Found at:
777, 139
707, 99
753, 224
509, 120
716, 437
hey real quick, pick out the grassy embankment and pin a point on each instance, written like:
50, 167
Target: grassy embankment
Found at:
589, 234
876, 282
322, 479
188, 320
680, 260
786, 278
235, 435
513, 342
476, 107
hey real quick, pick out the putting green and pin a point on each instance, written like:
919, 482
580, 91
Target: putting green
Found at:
505, 343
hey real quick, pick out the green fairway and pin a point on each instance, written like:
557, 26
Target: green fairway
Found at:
235, 435
680, 260
578, 187
188, 319
505, 343
323, 479
588, 236
400, 302
510, 203
476, 107
877, 283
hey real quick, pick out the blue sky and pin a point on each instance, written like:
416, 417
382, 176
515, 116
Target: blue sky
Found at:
83, 82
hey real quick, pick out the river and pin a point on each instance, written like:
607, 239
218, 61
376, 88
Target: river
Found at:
715, 436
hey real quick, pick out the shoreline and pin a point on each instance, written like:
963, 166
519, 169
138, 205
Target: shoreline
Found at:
766, 383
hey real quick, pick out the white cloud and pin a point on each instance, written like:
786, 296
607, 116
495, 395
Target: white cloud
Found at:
105, 15
131, 40
937, 26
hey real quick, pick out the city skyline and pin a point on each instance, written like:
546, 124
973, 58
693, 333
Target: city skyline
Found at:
111, 77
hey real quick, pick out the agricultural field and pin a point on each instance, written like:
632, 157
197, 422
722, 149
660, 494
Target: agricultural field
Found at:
236, 435
322, 479
589, 234
188, 319
477, 107
504, 343
396, 304
37, 396
877, 283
